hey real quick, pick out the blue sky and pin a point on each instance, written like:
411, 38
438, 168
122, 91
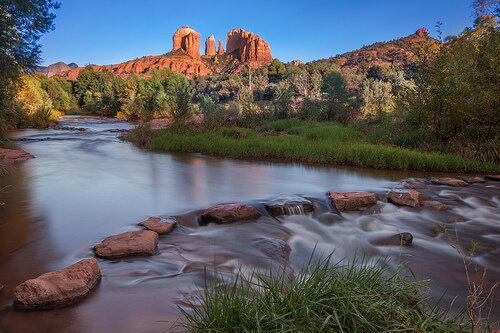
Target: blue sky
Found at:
113, 31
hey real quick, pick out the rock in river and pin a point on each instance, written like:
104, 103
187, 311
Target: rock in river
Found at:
404, 238
352, 200
58, 289
228, 213
408, 197
449, 181
131, 243
289, 206
159, 225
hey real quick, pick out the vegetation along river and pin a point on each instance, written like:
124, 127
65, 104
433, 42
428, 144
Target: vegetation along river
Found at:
85, 185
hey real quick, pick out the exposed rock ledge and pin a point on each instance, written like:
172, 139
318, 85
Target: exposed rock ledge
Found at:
11, 156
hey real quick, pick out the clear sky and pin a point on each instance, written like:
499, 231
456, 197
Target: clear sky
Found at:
105, 32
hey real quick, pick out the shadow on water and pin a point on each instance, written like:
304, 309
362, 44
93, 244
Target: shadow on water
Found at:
85, 185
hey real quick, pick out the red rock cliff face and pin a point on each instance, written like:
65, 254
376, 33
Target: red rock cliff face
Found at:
210, 46
187, 40
246, 46
220, 51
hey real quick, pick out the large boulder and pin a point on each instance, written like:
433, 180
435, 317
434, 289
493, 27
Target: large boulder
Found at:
449, 181
159, 225
228, 213
289, 206
131, 243
58, 289
344, 201
407, 197
404, 238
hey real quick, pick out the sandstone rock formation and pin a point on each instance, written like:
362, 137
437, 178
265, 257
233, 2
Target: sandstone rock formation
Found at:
422, 32
58, 289
56, 68
188, 40
472, 180
408, 197
493, 177
404, 238
11, 155
289, 206
132, 243
245, 46
159, 225
210, 46
220, 50
228, 213
352, 200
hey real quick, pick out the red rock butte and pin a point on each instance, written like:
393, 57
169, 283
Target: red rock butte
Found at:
185, 57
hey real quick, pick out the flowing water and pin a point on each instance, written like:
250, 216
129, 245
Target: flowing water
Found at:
85, 185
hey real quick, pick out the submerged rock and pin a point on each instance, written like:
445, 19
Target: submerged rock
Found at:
352, 200
408, 197
413, 183
161, 226
228, 213
449, 181
289, 206
58, 289
434, 205
404, 238
131, 243
472, 180
275, 249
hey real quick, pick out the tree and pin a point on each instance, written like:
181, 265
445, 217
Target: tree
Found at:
22, 23
339, 104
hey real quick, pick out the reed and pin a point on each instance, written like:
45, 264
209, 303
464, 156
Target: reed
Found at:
325, 297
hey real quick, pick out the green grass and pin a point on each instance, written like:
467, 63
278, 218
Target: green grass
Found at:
355, 297
317, 143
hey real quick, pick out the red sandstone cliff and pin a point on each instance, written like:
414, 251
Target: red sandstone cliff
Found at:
245, 46
188, 40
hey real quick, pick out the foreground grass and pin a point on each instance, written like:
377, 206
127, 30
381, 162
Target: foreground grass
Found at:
332, 298
321, 143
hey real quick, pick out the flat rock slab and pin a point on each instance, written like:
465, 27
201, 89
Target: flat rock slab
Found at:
131, 243
407, 197
493, 177
404, 238
289, 206
472, 180
434, 205
414, 183
345, 201
228, 213
11, 156
159, 225
449, 181
58, 289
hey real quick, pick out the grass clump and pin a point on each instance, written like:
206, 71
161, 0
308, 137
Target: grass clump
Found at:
355, 297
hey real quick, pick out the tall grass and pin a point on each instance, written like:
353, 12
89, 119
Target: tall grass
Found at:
353, 297
323, 144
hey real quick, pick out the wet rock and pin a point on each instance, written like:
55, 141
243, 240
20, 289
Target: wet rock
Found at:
131, 243
448, 202
58, 289
449, 181
493, 177
1, 288
228, 213
404, 238
119, 130
328, 218
413, 183
472, 180
11, 155
434, 205
161, 226
275, 249
289, 206
408, 197
344, 201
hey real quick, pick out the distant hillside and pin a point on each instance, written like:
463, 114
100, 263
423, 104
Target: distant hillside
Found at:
56, 68
400, 51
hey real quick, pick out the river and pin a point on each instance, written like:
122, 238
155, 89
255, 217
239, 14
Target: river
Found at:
85, 185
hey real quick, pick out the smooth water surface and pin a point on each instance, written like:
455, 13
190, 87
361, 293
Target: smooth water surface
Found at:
85, 185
